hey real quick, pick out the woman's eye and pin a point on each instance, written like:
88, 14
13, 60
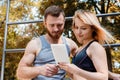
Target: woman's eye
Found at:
83, 28
76, 27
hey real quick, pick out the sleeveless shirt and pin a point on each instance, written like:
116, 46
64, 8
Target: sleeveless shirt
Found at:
83, 61
45, 56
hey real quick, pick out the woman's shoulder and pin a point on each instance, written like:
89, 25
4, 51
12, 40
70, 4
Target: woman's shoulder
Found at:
95, 44
95, 47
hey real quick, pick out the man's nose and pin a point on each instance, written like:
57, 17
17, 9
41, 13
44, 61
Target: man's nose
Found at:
56, 28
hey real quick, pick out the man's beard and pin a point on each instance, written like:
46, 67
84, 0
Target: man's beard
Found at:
56, 36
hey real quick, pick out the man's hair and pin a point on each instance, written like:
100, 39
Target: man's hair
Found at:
53, 11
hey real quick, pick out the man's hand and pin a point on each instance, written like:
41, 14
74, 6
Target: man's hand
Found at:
49, 70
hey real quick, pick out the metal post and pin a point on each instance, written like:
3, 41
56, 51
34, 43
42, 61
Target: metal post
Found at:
5, 37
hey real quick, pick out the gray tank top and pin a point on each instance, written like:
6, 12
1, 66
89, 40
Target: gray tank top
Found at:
45, 56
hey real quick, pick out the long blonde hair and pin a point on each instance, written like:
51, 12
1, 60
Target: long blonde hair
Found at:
89, 18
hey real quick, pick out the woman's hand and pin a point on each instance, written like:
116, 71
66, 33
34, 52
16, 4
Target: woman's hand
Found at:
114, 76
70, 68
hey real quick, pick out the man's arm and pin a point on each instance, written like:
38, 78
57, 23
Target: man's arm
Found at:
26, 70
25, 67
73, 47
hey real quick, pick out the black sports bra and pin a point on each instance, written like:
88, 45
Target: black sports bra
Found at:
83, 61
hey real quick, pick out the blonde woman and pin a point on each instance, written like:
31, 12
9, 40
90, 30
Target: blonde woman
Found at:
90, 62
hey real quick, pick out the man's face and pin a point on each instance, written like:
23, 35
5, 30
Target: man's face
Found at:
54, 26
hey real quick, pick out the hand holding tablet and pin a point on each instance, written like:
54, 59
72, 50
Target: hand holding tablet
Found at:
60, 53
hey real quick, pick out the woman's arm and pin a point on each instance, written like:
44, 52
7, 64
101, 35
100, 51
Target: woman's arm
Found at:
114, 76
97, 54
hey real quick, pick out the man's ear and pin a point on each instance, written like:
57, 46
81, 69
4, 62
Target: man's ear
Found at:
44, 23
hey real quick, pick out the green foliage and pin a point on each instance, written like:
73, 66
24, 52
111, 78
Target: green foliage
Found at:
12, 60
116, 58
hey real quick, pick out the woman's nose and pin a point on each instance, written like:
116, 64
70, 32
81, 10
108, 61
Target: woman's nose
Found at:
79, 31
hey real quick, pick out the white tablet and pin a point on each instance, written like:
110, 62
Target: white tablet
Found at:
60, 53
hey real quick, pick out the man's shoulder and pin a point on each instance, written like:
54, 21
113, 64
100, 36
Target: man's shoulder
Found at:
69, 40
34, 41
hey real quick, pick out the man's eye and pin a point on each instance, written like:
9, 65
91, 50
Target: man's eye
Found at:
59, 25
83, 28
52, 25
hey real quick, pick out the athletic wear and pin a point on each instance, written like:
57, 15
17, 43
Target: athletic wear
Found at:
45, 56
83, 61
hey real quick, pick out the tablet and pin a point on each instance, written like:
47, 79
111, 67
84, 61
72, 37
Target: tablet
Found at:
60, 53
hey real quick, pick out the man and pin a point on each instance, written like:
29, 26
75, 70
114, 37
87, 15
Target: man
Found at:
38, 62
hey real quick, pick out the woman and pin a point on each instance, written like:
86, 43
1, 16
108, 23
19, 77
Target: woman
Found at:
90, 62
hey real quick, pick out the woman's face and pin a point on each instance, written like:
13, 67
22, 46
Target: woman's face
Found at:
83, 32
